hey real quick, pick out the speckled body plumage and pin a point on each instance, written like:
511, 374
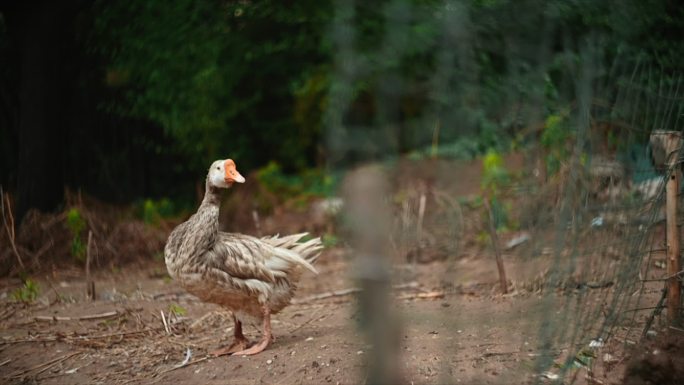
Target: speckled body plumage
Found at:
239, 272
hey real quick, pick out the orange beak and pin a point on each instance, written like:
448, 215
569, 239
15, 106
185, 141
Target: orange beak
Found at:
232, 174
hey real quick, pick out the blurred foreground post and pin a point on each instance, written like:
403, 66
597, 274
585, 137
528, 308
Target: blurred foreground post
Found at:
368, 221
666, 147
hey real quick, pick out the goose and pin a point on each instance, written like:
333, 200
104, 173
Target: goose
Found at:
252, 277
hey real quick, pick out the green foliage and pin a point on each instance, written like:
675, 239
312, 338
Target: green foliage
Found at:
312, 182
495, 176
153, 211
76, 224
555, 139
220, 77
466, 148
265, 80
330, 240
177, 310
27, 293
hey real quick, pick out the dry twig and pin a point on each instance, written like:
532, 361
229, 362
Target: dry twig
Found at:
44, 366
77, 338
82, 318
329, 294
430, 295
344, 292
166, 325
9, 227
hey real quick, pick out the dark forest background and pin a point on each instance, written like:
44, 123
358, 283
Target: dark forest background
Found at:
126, 99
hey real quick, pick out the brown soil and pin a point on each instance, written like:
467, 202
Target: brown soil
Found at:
660, 361
465, 337
460, 331
472, 335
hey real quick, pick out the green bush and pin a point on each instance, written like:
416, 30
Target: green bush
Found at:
76, 225
152, 211
330, 240
311, 182
495, 177
27, 293
554, 139
494, 173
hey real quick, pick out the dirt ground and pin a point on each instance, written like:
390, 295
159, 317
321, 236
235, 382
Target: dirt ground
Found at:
454, 326
469, 335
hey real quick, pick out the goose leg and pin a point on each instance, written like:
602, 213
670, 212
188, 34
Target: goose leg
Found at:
265, 338
239, 341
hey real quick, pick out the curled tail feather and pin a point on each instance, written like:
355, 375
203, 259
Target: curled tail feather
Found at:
306, 252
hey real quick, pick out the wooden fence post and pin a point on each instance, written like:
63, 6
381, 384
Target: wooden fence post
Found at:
497, 250
668, 144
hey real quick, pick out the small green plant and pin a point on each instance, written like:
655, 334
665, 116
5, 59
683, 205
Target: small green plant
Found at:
177, 310
76, 225
494, 173
330, 240
27, 293
554, 138
296, 187
495, 177
483, 238
153, 211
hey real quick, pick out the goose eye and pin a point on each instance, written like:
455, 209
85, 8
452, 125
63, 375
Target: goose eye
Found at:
218, 168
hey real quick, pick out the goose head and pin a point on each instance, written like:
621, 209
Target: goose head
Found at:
223, 174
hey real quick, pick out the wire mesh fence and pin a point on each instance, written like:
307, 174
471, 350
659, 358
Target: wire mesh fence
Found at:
576, 199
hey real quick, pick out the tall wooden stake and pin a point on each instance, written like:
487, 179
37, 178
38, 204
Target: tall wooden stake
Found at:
673, 250
90, 284
497, 251
665, 146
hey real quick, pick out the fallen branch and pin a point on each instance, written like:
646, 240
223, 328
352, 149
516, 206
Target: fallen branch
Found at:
344, 292
330, 294
430, 295
45, 366
7, 313
82, 318
78, 338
